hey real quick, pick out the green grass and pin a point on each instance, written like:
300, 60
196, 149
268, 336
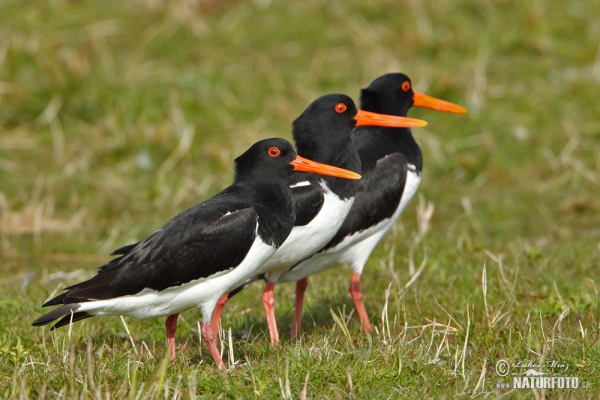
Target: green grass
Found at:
114, 116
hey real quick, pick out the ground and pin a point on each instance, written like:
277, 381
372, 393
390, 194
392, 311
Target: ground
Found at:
114, 116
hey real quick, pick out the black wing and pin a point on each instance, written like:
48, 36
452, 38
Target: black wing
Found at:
196, 244
124, 250
378, 196
307, 196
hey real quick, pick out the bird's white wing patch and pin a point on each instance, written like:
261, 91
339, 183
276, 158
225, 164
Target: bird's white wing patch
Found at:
300, 184
226, 214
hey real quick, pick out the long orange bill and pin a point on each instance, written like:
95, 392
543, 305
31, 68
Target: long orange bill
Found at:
422, 100
367, 118
306, 165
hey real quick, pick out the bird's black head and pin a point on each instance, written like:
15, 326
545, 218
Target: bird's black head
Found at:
275, 160
393, 94
268, 158
324, 127
389, 94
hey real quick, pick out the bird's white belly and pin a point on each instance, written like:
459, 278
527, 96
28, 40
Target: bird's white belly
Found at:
203, 293
354, 249
306, 240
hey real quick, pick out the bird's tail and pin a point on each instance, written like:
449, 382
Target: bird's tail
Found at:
67, 311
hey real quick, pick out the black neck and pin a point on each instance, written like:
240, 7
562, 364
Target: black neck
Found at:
374, 143
343, 155
274, 206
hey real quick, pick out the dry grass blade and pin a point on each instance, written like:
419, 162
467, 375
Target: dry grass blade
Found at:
304, 393
286, 391
341, 323
129, 335
484, 291
232, 361
424, 214
481, 380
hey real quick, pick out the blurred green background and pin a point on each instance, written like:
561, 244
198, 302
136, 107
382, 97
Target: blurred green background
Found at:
115, 116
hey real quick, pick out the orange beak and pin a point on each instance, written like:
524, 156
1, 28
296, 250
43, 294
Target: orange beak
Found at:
422, 100
306, 165
367, 118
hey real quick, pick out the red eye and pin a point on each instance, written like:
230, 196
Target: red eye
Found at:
340, 108
274, 152
406, 86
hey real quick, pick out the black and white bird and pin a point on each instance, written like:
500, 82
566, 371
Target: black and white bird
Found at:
322, 133
202, 253
391, 164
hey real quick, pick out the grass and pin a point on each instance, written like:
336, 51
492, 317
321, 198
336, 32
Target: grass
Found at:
115, 116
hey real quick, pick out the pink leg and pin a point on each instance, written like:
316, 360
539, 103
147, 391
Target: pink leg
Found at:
297, 322
268, 301
171, 327
210, 337
357, 296
218, 311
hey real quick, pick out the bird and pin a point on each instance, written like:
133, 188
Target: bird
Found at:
321, 133
391, 165
200, 254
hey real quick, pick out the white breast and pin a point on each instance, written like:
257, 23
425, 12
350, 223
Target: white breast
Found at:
306, 240
354, 249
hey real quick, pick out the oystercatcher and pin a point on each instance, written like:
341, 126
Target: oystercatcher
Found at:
202, 253
322, 133
391, 167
